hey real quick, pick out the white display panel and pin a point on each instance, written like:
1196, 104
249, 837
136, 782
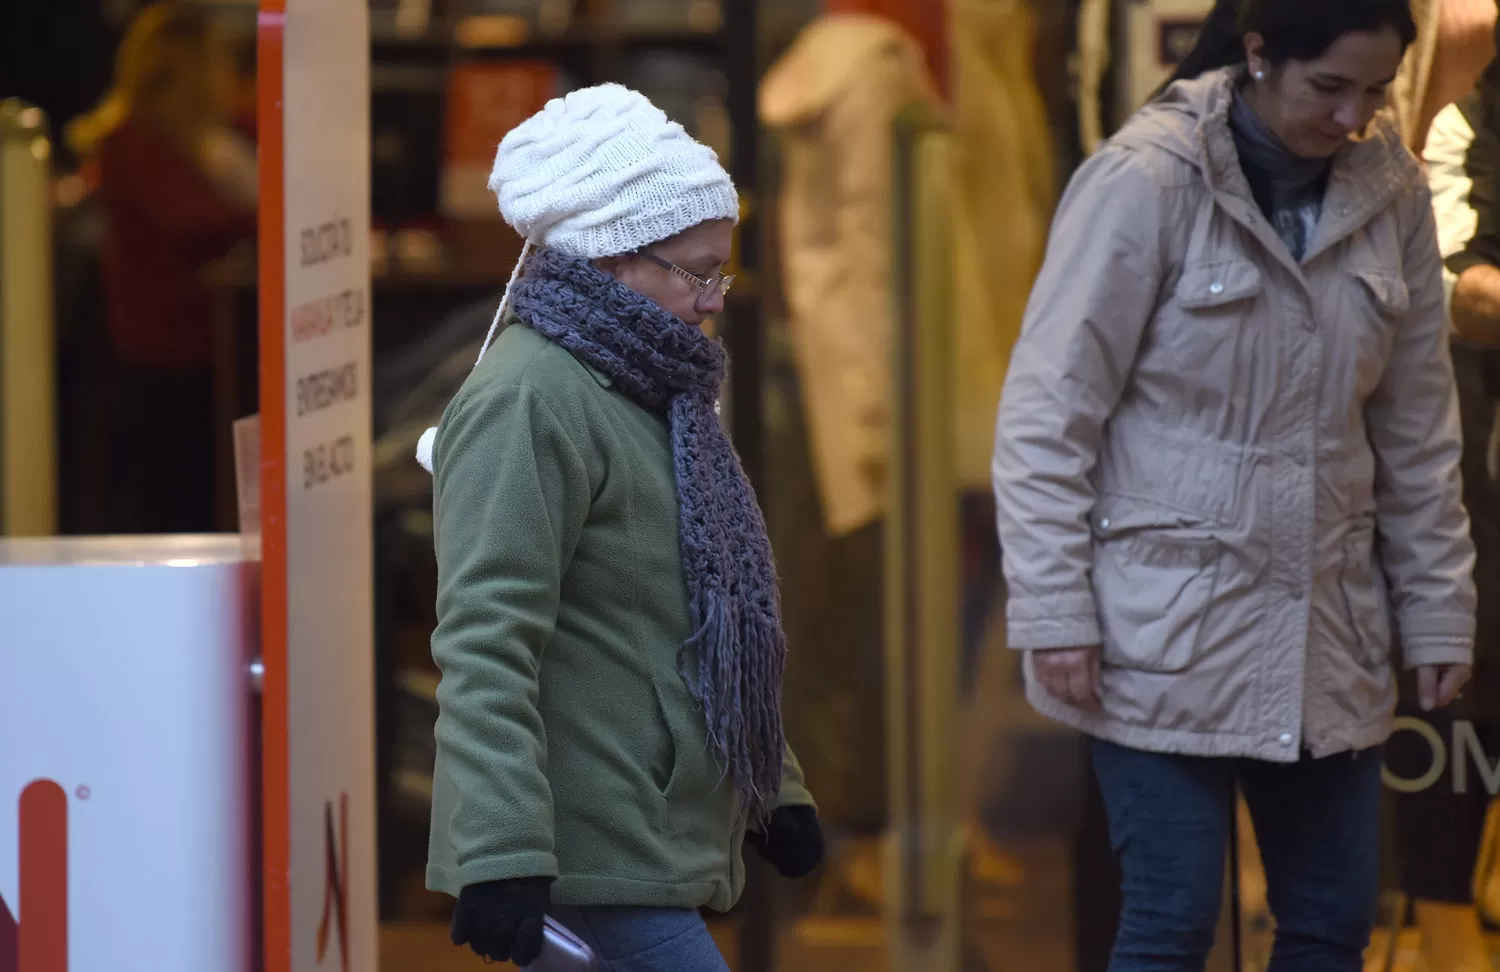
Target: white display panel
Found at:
126, 705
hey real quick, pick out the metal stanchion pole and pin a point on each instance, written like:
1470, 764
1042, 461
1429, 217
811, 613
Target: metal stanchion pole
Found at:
925, 844
744, 336
28, 382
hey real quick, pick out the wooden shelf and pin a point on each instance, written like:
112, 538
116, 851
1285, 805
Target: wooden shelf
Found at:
440, 45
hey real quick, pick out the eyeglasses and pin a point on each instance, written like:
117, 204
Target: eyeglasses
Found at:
715, 286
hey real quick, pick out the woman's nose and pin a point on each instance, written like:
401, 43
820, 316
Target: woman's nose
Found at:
1352, 115
711, 301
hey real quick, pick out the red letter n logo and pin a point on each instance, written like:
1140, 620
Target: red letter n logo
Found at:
38, 941
335, 886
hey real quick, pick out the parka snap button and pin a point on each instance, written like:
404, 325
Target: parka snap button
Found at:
1104, 523
1286, 739
1216, 288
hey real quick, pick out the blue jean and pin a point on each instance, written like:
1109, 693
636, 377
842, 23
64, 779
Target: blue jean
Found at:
1317, 825
645, 939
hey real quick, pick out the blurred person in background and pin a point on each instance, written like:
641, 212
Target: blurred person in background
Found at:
1454, 42
609, 630
177, 184
1227, 471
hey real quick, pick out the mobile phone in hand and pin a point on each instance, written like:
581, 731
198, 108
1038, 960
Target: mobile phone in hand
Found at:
562, 951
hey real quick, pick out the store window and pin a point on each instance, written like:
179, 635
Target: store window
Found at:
855, 129
1030, 859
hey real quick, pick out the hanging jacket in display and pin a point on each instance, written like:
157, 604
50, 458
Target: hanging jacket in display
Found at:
833, 98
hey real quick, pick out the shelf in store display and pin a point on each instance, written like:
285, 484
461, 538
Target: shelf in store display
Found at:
585, 38
698, 14
704, 15
441, 43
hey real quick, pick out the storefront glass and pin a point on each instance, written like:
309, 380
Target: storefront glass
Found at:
1032, 873
897, 167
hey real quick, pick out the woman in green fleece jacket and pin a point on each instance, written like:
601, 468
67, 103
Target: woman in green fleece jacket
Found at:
608, 621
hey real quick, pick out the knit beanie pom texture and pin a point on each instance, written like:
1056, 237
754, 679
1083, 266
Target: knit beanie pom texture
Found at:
602, 171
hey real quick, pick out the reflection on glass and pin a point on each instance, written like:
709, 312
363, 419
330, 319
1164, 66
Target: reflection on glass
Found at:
830, 400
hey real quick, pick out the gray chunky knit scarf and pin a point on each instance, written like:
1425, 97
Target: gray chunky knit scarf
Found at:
734, 660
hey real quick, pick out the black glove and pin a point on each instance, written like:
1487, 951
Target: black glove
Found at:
792, 841
502, 920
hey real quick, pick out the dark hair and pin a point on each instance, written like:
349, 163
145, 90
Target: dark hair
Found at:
1294, 30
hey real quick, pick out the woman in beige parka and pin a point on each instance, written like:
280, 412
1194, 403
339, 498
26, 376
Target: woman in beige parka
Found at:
1227, 475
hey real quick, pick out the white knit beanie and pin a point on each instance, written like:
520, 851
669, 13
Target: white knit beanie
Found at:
603, 171
599, 172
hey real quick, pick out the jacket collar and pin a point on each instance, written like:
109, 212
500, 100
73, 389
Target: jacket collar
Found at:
1191, 120
603, 380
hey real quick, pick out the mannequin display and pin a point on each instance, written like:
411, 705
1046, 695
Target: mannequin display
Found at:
833, 223
831, 101
1438, 863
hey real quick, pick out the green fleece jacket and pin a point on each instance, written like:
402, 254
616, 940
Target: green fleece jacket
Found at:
568, 742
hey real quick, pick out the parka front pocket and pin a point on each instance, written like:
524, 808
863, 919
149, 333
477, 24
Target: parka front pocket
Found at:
1387, 292
1379, 302
1366, 602
1199, 330
695, 782
1153, 589
666, 771
1204, 286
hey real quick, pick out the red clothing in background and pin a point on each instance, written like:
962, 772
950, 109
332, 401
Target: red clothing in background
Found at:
166, 222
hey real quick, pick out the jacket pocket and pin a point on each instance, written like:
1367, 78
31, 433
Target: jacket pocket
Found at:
1204, 286
1366, 604
1199, 329
1378, 302
666, 771
1387, 291
1154, 586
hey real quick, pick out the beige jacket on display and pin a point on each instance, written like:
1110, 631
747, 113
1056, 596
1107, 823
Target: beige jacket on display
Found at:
833, 98
1237, 474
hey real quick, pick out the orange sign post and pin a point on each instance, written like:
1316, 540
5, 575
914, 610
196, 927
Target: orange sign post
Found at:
316, 501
